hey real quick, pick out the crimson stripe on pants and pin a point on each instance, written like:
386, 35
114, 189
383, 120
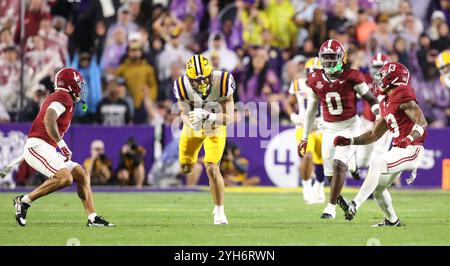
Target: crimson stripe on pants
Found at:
404, 159
42, 160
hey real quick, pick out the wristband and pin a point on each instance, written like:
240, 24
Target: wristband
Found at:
419, 129
61, 143
375, 107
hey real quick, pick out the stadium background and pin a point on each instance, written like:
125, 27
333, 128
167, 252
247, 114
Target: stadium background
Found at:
260, 42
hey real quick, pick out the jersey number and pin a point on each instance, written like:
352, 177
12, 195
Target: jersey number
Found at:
393, 126
336, 107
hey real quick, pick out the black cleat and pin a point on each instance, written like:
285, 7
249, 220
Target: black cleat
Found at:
349, 208
326, 216
389, 224
356, 175
21, 209
99, 221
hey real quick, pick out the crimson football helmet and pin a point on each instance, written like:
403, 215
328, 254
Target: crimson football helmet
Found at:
70, 80
376, 62
332, 56
391, 74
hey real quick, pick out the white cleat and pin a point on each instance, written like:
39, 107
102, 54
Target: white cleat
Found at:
316, 199
220, 219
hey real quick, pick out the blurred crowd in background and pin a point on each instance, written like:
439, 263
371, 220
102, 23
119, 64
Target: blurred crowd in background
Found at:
131, 51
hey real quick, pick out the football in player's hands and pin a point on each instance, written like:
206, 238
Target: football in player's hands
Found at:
341, 141
405, 142
301, 148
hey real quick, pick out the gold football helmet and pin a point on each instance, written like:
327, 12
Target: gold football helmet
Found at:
312, 64
443, 65
199, 72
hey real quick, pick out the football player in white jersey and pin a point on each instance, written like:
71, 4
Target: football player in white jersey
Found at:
205, 100
298, 90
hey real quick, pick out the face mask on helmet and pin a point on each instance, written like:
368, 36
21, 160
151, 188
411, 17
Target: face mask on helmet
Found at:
82, 95
331, 63
374, 69
201, 84
378, 82
445, 75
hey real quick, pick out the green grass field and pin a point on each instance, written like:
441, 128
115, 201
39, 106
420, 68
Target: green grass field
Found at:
184, 218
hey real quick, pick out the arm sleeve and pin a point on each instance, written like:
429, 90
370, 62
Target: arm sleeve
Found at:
361, 88
359, 82
310, 114
58, 107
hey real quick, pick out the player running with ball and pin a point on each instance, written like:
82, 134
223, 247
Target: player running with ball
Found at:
205, 99
404, 119
46, 134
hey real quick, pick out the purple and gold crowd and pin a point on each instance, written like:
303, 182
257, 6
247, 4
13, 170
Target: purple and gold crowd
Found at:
131, 51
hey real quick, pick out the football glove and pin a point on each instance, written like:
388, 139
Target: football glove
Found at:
301, 148
201, 114
65, 150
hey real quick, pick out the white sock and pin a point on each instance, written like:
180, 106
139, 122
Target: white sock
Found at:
219, 209
370, 183
321, 189
307, 188
26, 199
307, 184
315, 187
92, 216
384, 200
330, 209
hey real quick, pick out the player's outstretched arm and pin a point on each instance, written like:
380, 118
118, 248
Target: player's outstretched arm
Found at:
413, 111
373, 135
368, 137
